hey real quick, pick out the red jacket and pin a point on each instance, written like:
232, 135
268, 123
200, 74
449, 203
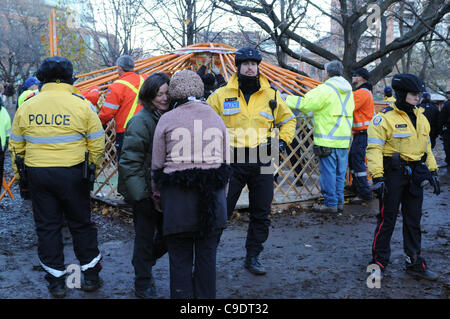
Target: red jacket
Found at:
121, 100
364, 109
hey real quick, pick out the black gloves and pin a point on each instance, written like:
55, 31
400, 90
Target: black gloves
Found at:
434, 181
379, 187
24, 191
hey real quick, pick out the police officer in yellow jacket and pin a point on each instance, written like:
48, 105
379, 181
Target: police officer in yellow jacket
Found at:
52, 132
401, 162
251, 109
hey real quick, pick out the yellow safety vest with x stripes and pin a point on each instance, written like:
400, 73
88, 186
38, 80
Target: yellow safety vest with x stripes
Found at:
332, 105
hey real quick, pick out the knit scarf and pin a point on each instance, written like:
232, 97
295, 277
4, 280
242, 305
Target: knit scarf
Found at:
158, 113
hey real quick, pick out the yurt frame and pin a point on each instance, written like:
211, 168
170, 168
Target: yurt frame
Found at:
290, 185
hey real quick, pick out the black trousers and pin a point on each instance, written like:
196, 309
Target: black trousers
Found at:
260, 188
446, 139
192, 266
148, 242
58, 192
411, 207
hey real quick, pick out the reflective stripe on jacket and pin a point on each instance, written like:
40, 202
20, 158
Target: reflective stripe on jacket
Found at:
391, 131
121, 101
250, 125
93, 95
364, 109
55, 128
332, 105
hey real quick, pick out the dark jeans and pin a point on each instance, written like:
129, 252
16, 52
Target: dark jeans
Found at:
260, 194
148, 242
192, 266
55, 192
397, 193
118, 144
358, 167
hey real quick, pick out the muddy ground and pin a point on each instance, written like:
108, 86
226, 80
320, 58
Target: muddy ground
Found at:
307, 255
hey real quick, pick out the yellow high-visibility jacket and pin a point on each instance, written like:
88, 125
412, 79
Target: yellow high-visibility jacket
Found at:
25, 94
55, 128
390, 99
391, 131
5, 127
250, 125
332, 104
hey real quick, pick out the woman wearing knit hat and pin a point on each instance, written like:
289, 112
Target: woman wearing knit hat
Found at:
134, 181
189, 163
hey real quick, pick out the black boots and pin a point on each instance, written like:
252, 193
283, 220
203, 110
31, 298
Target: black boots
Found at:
147, 293
254, 266
145, 289
90, 285
417, 267
57, 286
92, 281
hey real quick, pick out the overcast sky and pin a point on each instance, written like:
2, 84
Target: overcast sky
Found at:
232, 22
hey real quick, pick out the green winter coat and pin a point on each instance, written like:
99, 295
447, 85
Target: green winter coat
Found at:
136, 158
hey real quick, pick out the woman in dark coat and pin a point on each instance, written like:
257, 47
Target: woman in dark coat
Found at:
190, 156
135, 184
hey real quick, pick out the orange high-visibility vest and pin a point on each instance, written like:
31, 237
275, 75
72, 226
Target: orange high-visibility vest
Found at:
364, 109
121, 101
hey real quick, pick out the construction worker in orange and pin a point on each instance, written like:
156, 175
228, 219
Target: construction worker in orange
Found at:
362, 115
121, 101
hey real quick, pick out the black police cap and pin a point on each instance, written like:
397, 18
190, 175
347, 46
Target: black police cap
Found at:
246, 54
55, 68
362, 72
407, 83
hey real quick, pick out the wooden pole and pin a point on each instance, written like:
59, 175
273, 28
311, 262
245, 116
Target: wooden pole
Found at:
53, 36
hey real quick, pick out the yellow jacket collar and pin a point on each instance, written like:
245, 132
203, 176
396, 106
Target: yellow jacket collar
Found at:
417, 110
233, 83
53, 86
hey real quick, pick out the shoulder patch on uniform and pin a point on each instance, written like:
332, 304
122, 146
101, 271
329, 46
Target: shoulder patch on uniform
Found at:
387, 109
377, 120
80, 96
